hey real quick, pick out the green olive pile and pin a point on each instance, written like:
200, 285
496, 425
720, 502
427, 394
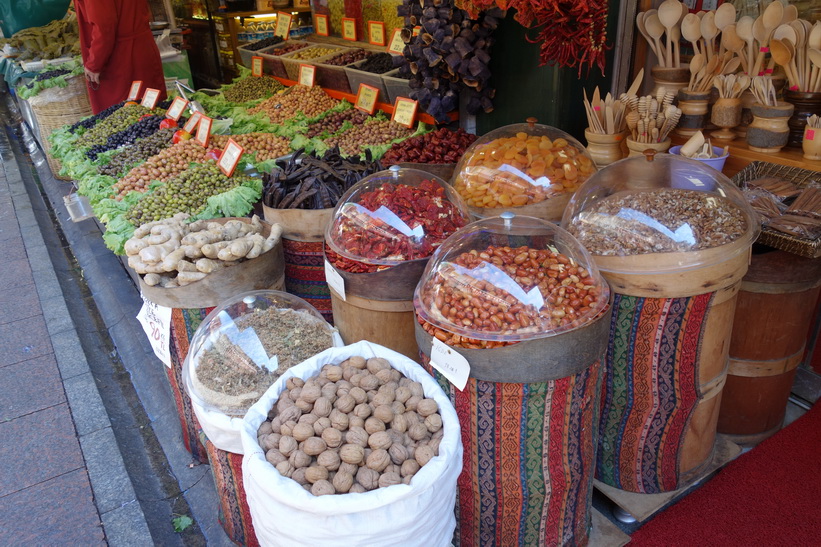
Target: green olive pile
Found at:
311, 101
373, 131
165, 165
252, 88
332, 123
348, 57
313, 53
266, 146
188, 192
143, 149
115, 123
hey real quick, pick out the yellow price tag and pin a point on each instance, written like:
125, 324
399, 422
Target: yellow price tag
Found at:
397, 45
256, 66
376, 33
366, 98
404, 111
307, 75
349, 28
283, 25
321, 25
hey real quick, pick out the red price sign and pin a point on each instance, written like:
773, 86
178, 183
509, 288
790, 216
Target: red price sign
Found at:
404, 111
150, 98
397, 44
349, 29
256, 66
321, 25
376, 33
175, 110
307, 75
230, 157
366, 98
134, 90
283, 25
204, 131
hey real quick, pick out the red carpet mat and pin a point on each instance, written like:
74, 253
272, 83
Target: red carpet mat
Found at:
769, 496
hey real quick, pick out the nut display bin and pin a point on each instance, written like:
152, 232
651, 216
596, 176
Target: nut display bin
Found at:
272, 62
291, 63
357, 77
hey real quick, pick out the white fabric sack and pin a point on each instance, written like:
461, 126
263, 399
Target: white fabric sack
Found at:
223, 430
421, 513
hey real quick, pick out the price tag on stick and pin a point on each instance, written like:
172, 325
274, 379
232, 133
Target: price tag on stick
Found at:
204, 131
397, 44
404, 111
150, 98
175, 110
192, 122
283, 25
307, 75
230, 157
321, 25
349, 29
366, 98
376, 33
334, 280
450, 363
256, 66
134, 90
156, 322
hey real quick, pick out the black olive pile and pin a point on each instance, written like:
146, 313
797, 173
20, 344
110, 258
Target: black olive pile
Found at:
348, 57
265, 42
118, 121
130, 156
143, 128
378, 64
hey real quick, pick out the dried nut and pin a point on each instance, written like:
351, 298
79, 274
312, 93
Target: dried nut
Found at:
322, 407
309, 418
403, 393
397, 407
307, 487
358, 394
375, 364
355, 421
368, 478
291, 413
396, 436
345, 403
398, 453
332, 437
384, 413
349, 372
329, 460
426, 407
357, 435
409, 468
316, 473
412, 417
293, 382
283, 403
276, 424
356, 378
270, 441
384, 376
372, 425
378, 460
357, 489
433, 423
302, 432
321, 425
362, 410
396, 376
438, 434
357, 362
264, 429
349, 468
287, 445
285, 468
310, 392
303, 405
352, 453
399, 423
343, 387
434, 444
405, 381
380, 439
322, 488
314, 446
329, 392
287, 428
418, 432
274, 457
294, 393
411, 403
416, 389
299, 459
333, 372
423, 454
343, 481
389, 479
299, 476
369, 382
339, 420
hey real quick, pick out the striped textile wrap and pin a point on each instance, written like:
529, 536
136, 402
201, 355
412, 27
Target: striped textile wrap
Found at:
234, 515
305, 274
529, 450
184, 323
651, 388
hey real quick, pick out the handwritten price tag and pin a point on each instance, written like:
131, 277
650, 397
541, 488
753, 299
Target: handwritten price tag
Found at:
404, 111
256, 66
150, 98
349, 28
307, 75
335, 280
175, 110
134, 90
321, 25
230, 157
156, 322
397, 44
376, 33
366, 98
283, 25
204, 131
192, 122
450, 363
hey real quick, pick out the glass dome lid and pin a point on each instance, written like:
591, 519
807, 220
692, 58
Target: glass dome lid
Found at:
394, 216
519, 165
510, 278
681, 211
244, 344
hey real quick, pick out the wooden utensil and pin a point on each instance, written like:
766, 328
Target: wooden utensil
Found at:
691, 30
669, 12
731, 41
744, 29
655, 29
815, 58
709, 31
696, 64
783, 55
693, 145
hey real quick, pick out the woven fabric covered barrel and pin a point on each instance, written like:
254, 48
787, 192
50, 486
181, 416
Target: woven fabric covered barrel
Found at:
234, 515
776, 303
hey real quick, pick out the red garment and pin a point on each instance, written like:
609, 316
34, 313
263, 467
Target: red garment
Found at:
116, 41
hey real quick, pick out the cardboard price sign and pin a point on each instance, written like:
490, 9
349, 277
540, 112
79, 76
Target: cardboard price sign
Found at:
376, 33
349, 28
283, 25
134, 90
192, 122
404, 111
366, 98
156, 322
175, 110
307, 75
397, 44
321, 25
204, 131
150, 98
256, 66
230, 157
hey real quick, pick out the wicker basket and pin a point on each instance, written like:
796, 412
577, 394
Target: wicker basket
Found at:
58, 106
802, 178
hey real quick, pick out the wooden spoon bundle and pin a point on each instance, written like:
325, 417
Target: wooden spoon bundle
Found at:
731, 86
763, 90
796, 46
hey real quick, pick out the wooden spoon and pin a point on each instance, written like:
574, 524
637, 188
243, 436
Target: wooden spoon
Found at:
669, 12
731, 41
696, 64
783, 55
725, 15
789, 14
643, 30
709, 31
691, 30
655, 29
744, 29
814, 42
815, 79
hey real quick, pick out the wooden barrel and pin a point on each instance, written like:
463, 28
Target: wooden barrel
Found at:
528, 416
378, 307
667, 360
776, 303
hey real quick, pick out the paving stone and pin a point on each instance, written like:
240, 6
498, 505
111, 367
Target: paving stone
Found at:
37, 447
69, 353
86, 405
125, 526
23, 340
39, 258
19, 303
57, 318
15, 273
13, 248
29, 386
109, 479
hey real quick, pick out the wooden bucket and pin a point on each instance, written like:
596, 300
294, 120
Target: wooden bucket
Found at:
528, 419
667, 362
378, 307
303, 236
776, 303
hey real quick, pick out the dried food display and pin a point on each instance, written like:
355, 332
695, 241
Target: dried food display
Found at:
300, 99
441, 146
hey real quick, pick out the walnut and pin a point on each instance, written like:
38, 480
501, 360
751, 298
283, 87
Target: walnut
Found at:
303, 405
411, 403
270, 441
380, 439
299, 459
426, 407
322, 407
291, 413
349, 372
409, 468
398, 453
283, 403
339, 420
329, 459
343, 387
352, 453
396, 376
423, 454
302, 432
321, 381
378, 460
407, 480
343, 481
293, 394
372, 425
357, 435
434, 444
287, 428
264, 428
357, 362
349, 468
294, 382
403, 393
274, 456
433, 423
321, 425
375, 364
356, 378
333, 372
345, 403
357, 489
285, 468
384, 376
389, 479
316, 473
383, 413
355, 421
314, 446
332, 437
329, 392
416, 389
369, 382
299, 475
368, 478
310, 391
399, 423
418, 432
358, 394
405, 381
276, 424
309, 419
362, 410
383, 398
287, 445
396, 436
323, 488
397, 407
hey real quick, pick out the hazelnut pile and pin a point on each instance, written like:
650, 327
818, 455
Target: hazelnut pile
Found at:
358, 426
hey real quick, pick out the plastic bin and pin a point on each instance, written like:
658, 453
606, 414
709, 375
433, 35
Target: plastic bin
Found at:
271, 61
357, 77
395, 87
291, 64
335, 77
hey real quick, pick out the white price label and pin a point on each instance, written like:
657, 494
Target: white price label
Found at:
334, 280
134, 90
230, 158
450, 363
175, 110
150, 98
156, 322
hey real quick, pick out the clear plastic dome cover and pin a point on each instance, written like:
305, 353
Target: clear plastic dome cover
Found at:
244, 344
522, 165
685, 213
510, 278
394, 216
